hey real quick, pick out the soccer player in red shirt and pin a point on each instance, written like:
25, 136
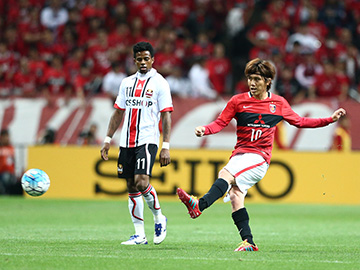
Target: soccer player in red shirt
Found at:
257, 112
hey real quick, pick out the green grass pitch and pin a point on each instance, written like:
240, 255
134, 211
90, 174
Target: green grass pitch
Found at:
78, 234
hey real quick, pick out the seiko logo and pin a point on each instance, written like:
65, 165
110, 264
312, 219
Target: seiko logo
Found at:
138, 102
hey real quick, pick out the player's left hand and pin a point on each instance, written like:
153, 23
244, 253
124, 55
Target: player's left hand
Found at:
164, 157
337, 114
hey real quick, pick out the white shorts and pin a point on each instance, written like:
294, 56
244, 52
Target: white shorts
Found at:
248, 169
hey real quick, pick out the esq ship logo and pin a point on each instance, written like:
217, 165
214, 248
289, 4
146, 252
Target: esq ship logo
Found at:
138, 102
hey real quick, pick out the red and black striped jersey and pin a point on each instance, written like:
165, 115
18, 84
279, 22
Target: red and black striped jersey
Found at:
256, 121
143, 97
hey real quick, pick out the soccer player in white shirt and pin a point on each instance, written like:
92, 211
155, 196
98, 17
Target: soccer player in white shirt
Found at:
143, 97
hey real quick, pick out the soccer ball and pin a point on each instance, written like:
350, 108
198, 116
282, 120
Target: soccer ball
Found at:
35, 182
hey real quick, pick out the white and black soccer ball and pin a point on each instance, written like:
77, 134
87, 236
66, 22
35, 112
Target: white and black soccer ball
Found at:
35, 182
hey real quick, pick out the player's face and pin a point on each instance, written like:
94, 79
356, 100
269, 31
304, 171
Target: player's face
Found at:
258, 86
143, 61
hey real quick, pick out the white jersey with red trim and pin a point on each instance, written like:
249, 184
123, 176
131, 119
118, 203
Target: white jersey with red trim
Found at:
143, 97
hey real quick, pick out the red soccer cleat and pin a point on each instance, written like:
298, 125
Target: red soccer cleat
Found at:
190, 202
246, 246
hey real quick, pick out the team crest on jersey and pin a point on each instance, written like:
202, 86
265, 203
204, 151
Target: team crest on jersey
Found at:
120, 169
272, 108
149, 93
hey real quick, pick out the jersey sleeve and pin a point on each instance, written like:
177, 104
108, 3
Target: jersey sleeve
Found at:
120, 99
303, 122
164, 99
223, 120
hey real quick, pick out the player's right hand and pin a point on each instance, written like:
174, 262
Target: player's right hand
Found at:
104, 151
199, 131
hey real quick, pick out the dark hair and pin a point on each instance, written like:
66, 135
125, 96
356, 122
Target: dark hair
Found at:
260, 67
143, 46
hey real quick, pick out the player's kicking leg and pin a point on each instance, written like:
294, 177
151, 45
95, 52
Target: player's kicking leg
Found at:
217, 190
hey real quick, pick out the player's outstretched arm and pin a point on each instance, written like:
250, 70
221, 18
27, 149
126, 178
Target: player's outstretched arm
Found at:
199, 131
337, 114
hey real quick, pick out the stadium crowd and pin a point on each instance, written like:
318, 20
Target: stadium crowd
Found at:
83, 47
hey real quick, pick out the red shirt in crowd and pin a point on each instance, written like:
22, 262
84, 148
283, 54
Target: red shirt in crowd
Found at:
219, 69
7, 159
55, 80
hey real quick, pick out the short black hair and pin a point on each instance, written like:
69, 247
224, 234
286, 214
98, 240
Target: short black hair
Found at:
143, 46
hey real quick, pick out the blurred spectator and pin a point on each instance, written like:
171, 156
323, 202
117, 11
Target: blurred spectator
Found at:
179, 84
55, 81
180, 11
149, 11
95, 9
301, 12
264, 26
119, 39
166, 59
352, 60
89, 137
37, 65
199, 79
295, 57
306, 71
308, 41
31, 29
7, 163
242, 86
316, 27
112, 80
333, 14
17, 11
73, 62
48, 46
99, 52
278, 38
288, 87
137, 30
203, 46
8, 61
24, 81
6, 86
54, 15
329, 84
261, 49
342, 136
236, 19
47, 136
118, 15
85, 84
14, 41
331, 49
198, 21
278, 9
68, 39
219, 68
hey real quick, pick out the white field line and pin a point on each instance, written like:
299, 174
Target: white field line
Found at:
174, 258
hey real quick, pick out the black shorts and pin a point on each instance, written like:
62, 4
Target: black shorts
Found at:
136, 160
